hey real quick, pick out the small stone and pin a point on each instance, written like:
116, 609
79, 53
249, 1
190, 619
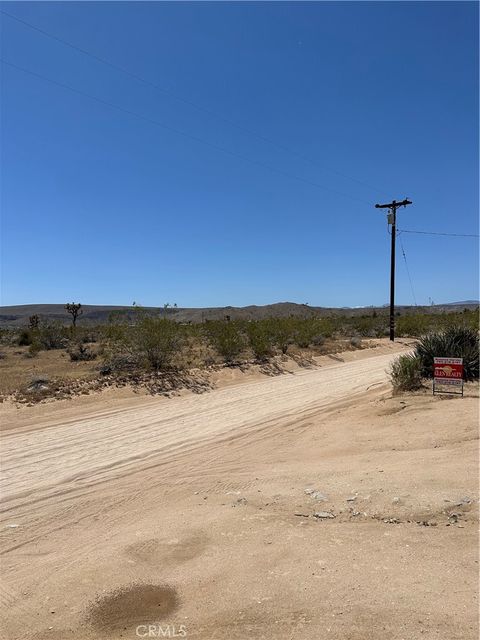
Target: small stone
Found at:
463, 501
316, 495
323, 514
396, 500
351, 498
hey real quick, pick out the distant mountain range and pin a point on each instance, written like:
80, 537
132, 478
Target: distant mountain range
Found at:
15, 316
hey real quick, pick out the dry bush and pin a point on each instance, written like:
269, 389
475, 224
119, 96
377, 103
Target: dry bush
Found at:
406, 373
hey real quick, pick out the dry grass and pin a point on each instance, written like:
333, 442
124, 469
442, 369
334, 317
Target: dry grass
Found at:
17, 369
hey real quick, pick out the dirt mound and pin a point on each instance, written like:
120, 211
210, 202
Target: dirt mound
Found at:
133, 605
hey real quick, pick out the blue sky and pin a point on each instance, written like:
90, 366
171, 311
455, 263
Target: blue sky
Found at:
377, 100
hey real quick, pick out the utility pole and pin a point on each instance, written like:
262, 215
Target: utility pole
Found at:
392, 219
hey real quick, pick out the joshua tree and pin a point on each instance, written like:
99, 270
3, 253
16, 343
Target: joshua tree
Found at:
33, 321
75, 310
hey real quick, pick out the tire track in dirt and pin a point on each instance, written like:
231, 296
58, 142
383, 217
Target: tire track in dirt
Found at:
96, 449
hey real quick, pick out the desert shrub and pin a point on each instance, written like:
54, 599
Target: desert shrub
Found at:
45, 336
260, 339
52, 336
325, 327
318, 340
150, 343
88, 334
34, 349
305, 330
303, 335
79, 352
38, 380
355, 342
406, 373
25, 338
282, 332
119, 363
366, 326
115, 332
454, 342
413, 325
8, 337
226, 338
155, 341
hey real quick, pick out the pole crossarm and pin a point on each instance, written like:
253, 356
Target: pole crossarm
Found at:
394, 204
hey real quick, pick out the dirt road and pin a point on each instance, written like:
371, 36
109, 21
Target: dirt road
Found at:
191, 513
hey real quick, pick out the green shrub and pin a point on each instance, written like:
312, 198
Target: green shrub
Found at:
303, 333
25, 338
406, 373
454, 342
46, 336
226, 338
150, 343
155, 341
260, 339
282, 332
34, 349
413, 325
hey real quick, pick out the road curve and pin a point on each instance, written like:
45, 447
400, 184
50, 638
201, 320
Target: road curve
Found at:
93, 449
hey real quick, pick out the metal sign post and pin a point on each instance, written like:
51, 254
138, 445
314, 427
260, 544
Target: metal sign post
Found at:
448, 372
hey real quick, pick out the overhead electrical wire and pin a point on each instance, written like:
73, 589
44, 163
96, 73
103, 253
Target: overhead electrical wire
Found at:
408, 271
206, 110
212, 145
438, 233
185, 101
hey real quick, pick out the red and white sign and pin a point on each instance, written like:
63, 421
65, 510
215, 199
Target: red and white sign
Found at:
448, 370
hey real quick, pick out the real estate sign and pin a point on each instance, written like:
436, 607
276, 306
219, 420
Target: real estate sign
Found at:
448, 371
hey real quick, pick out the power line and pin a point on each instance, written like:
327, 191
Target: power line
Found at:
180, 132
408, 271
185, 101
437, 233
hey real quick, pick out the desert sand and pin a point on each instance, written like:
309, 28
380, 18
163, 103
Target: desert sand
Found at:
310, 505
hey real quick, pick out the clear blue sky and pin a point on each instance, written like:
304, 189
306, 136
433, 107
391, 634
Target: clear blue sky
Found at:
106, 208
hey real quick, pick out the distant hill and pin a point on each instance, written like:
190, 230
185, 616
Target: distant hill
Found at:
16, 316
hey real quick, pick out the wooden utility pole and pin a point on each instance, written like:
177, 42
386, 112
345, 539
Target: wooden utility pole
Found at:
392, 219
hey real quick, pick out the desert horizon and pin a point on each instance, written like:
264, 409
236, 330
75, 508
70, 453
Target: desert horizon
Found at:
274, 435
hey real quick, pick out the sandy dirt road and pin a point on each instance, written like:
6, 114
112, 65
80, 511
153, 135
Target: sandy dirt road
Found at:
190, 514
